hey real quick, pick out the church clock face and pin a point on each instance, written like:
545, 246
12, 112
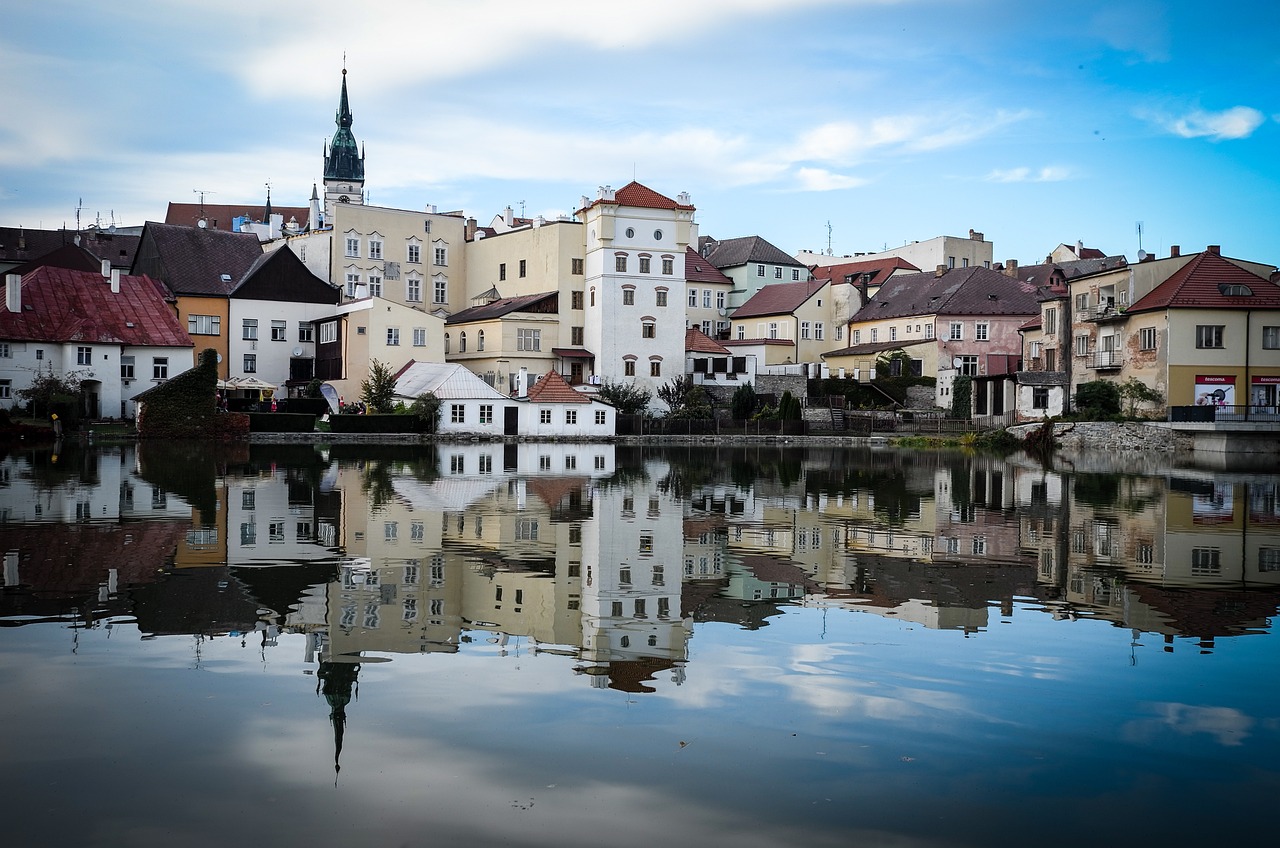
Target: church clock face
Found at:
344, 199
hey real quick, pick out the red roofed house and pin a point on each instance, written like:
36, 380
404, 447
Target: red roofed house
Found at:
710, 362
784, 324
116, 335
552, 407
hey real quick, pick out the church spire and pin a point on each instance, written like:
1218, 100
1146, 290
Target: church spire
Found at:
344, 161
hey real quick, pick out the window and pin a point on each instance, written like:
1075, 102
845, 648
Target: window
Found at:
528, 339
693, 298
647, 330
440, 290
628, 297
6, 389
957, 331
928, 331
1270, 338
571, 416
1082, 302
706, 298
600, 419
458, 413
480, 340
655, 368
413, 290
544, 416
414, 255
462, 342
502, 271
668, 266
440, 256
1209, 335
524, 267
795, 274
1040, 397
777, 273
1082, 345
875, 334
486, 414
856, 338
969, 366
893, 334
661, 297
629, 368
742, 331
804, 329
250, 363
375, 249
575, 267
279, 331
446, 342
375, 285
1147, 338
819, 330
951, 262
249, 330
84, 356
353, 247
644, 264
759, 270
620, 263
329, 332
773, 329
419, 336
353, 280
575, 335
39, 354
204, 325
306, 332
393, 337
593, 297
575, 300
126, 367
1205, 561
982, 331
160, 368
1050, 325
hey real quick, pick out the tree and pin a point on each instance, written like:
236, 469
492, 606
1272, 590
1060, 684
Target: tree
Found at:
1098, 398
962, 398
427, 408
684, 398
627, 399
49, 393
789, 408
1134, 391
379, 389
743, 403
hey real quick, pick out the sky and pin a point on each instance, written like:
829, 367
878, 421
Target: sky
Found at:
841, 125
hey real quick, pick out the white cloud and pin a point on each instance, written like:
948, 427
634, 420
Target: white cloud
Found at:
1227, 726
1047, 174
1234, 123
818, 179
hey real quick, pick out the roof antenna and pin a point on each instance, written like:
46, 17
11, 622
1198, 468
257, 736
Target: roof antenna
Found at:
1139, 229
829, 238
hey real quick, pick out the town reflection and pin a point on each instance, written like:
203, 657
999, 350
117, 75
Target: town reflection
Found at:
612, 554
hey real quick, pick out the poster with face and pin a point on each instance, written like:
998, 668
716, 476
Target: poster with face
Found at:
1215, 390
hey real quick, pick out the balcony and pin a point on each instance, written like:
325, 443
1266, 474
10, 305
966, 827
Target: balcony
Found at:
1104, 313
1106, 360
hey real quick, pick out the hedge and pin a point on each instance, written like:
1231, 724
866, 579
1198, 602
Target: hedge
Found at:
375, 424
183, 407
281, 422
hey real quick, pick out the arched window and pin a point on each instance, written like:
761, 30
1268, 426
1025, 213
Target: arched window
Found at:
462, 342
446, 343
480, 340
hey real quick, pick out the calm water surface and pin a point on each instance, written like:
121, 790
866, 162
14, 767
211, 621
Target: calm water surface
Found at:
556, 645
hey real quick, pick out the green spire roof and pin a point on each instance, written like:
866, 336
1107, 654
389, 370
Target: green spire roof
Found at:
343, 161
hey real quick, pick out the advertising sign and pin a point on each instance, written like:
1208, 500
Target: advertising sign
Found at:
1215, 390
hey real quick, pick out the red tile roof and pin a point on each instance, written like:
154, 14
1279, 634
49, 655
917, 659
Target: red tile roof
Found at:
879, 269
780, 299
635, 194
61, 305
696, 341
553, 388
220, 215
1201, 283
958, 291
699, 270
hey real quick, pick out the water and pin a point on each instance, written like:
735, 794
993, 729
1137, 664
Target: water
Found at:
582, 645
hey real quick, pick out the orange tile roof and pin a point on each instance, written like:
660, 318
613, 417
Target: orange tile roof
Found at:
635, 194
553, 388
1199, 284
696, 341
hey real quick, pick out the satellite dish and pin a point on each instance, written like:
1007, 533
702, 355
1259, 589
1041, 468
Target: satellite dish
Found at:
957, 361
297, 351
723, 311
202, 223
219, 357
1142, 255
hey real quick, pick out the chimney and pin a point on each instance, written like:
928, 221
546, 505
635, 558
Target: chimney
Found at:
1079, 249
1215, 249
940, 270
470, 229
1174, 251
115, 280
509, 217
13, 293
1011, 267
522, 383
974, 235
106, 268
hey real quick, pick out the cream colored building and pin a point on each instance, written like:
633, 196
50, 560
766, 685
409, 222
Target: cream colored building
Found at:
374, 328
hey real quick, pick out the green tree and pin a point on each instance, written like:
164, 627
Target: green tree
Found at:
684, 399
1134, 392
427, 408
1098, 399
743, 403
627, 399
379, 388
50, 393
962, 398
789, 408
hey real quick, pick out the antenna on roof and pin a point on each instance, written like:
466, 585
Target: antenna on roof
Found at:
1138, 227
79, 206
828, 238
202, 193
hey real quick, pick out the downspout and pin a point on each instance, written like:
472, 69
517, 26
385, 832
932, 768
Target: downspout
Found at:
1248, 387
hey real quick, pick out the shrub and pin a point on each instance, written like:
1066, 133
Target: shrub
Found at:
627, 399
962, 398
378, 390
1098, 398
183, 407
375, 424
743, 403
281, 422
426, 408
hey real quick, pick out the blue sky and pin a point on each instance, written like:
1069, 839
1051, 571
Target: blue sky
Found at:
891, 120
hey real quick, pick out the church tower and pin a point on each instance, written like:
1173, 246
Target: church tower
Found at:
343, 161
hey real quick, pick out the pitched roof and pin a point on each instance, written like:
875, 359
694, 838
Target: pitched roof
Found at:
878, 347
445, 380
541, 302
641, 196
958, 291
62, 305
1202, 283
195, 261
69, 256
879, 269
699, 270
733, 252
553, 388
19, 244
779, 299
696, 341
282, 276
220, 215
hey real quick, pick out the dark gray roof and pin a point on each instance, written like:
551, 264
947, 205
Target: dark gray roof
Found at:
195, 261
22, 245
733, 252
958, 291
543, 302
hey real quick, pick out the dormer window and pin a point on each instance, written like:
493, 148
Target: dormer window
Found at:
1234, 290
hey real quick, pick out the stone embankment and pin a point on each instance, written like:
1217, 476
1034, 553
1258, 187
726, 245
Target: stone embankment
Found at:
1122, 437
